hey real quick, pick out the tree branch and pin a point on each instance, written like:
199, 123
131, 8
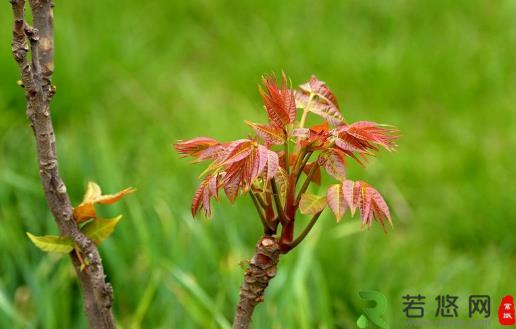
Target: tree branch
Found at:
36, 80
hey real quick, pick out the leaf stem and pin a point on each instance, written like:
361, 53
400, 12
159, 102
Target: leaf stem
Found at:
299, 160
303, 164
277, 201
287, 157
305, 111
260, 200
265, 223
305, 185
81, 260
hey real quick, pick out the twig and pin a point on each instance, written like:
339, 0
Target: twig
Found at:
36, 79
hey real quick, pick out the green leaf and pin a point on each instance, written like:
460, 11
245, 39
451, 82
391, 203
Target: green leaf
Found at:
52, 243
100, 229
311, 204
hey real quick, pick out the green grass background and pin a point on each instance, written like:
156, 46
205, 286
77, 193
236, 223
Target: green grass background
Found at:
134, 76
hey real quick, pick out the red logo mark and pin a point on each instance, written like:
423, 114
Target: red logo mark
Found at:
506, 311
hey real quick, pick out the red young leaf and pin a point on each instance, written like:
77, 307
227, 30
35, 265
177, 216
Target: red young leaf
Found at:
356, 193
347, 190
365, 202
250, 168
335, 164
319, 88
362, 136
380, 210
212, 186
231, 186
319, 99
321, 129
279, 102
336, 201
347, 143
331, 115
236, 166
206, 201
272, 165
195, 147
271, 134
316, 177
210, 153
207, 189
197, 202
237, 151
370, 202
316, 138
263, 157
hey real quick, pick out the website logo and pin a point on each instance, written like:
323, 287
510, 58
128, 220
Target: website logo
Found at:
373, 314
506, 311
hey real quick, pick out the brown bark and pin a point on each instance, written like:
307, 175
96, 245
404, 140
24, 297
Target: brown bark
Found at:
262, 268
36, 80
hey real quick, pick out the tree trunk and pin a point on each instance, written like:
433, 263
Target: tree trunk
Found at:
262, 268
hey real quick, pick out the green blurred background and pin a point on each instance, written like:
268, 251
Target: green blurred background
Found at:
134, 76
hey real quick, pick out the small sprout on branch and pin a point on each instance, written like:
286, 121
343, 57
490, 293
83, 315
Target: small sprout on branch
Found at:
95, 228
86, 210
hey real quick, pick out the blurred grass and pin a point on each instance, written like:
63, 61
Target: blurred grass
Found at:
132, 77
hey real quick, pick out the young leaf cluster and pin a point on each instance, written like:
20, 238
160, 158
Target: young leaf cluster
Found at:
277, 165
